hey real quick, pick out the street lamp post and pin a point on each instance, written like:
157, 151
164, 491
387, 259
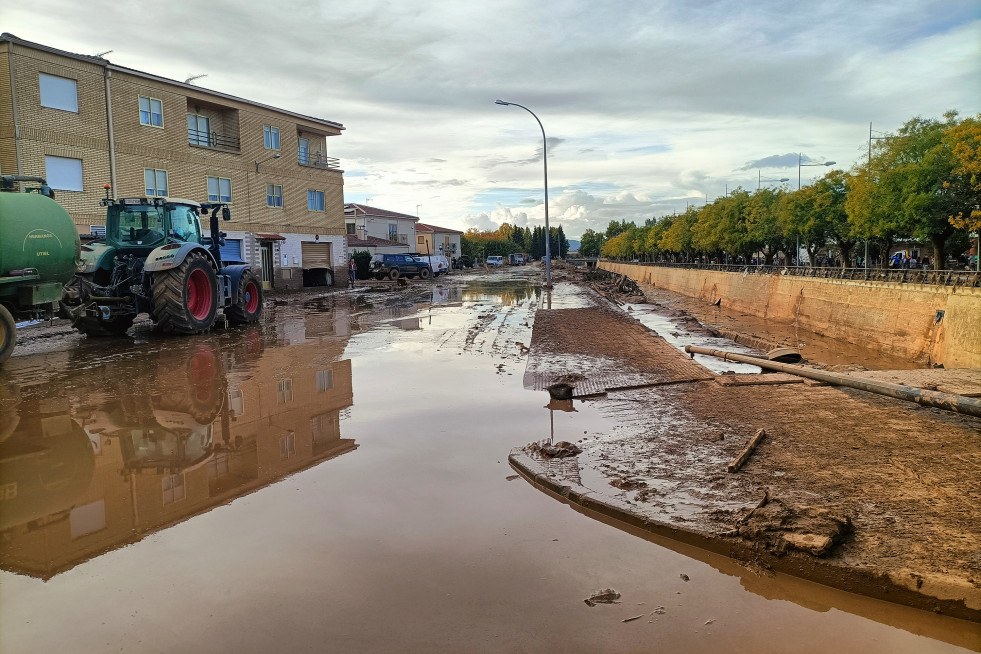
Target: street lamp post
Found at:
801, 164
548, 234
760, 180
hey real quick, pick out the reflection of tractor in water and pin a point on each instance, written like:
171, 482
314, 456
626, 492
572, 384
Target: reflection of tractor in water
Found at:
154, 259
39, 248
169, 427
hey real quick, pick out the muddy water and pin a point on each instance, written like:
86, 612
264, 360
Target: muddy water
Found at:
336, 479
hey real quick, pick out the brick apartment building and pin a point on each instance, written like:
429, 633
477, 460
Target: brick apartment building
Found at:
81, 122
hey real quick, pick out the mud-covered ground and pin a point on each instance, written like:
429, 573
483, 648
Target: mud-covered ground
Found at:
856, 481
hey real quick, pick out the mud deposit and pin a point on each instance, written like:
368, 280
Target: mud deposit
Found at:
335, 478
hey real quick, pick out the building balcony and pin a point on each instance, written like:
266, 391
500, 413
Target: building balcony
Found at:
317, 160
213, 140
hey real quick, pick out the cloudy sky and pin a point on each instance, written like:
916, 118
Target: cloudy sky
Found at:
648, 105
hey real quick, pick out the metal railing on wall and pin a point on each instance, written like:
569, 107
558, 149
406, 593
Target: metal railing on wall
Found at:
883, 275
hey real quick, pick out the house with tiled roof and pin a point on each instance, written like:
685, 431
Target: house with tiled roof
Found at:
363, 221
438, 240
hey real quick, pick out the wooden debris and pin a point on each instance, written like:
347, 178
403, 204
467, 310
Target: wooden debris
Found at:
636, 617
747, 451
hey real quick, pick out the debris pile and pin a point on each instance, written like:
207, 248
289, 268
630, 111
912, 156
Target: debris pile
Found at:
556, 451
780, 528
605, 596
618, 289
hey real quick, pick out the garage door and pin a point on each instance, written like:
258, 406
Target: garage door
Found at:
232, 250
315, 255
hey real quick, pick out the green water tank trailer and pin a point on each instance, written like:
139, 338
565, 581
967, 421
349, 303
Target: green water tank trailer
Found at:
36, 234
39, 252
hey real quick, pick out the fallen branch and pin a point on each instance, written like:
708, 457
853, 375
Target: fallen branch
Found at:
744, 455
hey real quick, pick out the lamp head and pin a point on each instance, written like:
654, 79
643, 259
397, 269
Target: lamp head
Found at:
277, 155
501, 102
830, 163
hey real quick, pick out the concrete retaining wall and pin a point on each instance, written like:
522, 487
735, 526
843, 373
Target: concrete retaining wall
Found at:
897, 318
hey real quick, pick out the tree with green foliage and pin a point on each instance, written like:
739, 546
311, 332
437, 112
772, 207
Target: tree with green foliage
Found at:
909, 186
763, 229
678, 239
590, 243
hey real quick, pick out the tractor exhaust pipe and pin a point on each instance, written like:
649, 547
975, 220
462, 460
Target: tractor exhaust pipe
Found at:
957, 403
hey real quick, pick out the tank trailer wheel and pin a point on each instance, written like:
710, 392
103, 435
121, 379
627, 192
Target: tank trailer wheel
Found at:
248, 305
8, 334
185, 298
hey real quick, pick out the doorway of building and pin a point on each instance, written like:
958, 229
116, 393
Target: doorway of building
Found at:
266, 250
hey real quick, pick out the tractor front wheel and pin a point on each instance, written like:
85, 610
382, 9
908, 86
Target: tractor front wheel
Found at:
8, 334
248, 306
185, 298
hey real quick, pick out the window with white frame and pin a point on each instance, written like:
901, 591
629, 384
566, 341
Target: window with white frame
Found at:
58, 92
287, 445
173, 488
63, 173
270, 137
198, 130
219, 189
303, 151
274, 195
325, 380
151, 111
218, 465
284, 391
155, 182
236, 403
315, 200
393, 232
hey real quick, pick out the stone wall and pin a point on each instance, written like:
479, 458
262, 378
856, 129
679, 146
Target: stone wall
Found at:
901, 319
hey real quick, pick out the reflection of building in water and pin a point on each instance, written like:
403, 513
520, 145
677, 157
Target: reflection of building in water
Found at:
77, 482
506, 292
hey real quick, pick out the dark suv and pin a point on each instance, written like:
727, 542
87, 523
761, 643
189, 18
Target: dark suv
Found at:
394, 266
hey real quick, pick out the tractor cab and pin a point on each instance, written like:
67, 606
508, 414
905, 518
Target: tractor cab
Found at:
138, 225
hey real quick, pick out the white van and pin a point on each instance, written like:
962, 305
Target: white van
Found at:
441, 266
495, 261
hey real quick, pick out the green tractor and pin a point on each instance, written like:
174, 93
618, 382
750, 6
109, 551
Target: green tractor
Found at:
154, 259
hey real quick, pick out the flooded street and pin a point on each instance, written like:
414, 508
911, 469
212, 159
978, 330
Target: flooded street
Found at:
336, 478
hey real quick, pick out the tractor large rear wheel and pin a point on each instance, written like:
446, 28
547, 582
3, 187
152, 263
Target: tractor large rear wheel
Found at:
248, 305
185, 298
8, 334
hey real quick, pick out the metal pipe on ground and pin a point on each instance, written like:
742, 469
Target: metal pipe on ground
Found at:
957, 403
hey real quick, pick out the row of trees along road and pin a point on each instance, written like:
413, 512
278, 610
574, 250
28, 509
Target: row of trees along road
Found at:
511, 239
921, 184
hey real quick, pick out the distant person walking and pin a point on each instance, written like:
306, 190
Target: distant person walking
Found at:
352, 270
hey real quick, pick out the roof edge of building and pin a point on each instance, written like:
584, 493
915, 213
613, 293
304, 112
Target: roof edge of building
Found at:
100, 61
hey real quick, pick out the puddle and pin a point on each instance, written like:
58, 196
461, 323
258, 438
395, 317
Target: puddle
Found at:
339, 474
674, 331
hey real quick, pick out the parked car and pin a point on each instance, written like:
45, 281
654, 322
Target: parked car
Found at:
437, 262
394, 266
495, 261
516, 259
464, 262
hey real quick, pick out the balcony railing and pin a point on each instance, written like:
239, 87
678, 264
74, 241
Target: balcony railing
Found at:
893, 275
317, 160
213, 140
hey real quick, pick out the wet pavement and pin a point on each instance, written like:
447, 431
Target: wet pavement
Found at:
336, 479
